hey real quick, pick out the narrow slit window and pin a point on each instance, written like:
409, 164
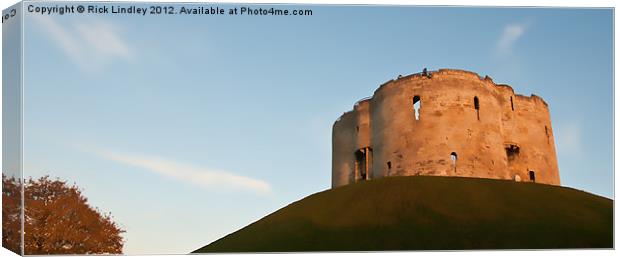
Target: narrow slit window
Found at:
512, 106
417, 103
389, 165
547, 134
477, 107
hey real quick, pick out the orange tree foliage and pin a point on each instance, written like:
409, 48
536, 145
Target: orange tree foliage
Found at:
58, 220
10, 214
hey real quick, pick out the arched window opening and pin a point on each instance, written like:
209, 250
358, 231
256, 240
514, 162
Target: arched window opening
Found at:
532, 176
477, 107
512, 106
417, 103
453, 158
389, 165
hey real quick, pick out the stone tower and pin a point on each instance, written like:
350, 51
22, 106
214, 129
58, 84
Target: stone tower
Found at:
445, 123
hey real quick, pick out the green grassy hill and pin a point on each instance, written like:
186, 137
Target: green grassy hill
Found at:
422, 213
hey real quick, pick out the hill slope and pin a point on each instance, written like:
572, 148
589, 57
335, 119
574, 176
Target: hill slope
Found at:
409, 213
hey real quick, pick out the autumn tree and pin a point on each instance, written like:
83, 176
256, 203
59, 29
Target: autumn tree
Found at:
59, 220
11, 199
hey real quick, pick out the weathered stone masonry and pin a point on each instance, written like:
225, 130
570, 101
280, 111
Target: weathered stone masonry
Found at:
445, 123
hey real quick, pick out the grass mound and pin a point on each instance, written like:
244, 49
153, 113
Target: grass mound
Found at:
431, 213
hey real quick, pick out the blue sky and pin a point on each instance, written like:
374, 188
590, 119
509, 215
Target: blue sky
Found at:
187, 128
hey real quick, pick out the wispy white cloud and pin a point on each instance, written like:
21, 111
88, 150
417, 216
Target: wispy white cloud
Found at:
90, 43
103, 38
201, 176
508, 62
569, 139
509, 37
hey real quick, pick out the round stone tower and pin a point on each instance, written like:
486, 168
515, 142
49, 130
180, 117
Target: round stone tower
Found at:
445, 123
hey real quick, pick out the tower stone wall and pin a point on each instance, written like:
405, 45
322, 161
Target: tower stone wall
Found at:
445, 123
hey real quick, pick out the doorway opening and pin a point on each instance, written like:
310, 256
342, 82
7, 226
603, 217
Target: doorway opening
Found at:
363, 158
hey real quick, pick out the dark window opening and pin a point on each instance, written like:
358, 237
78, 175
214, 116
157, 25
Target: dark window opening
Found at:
512, 152
512, 106
547, 134
532, 176
389, 164
416, 107
477, 107
357, 128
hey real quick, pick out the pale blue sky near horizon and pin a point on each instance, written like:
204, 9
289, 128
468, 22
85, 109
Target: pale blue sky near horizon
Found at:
187, 128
